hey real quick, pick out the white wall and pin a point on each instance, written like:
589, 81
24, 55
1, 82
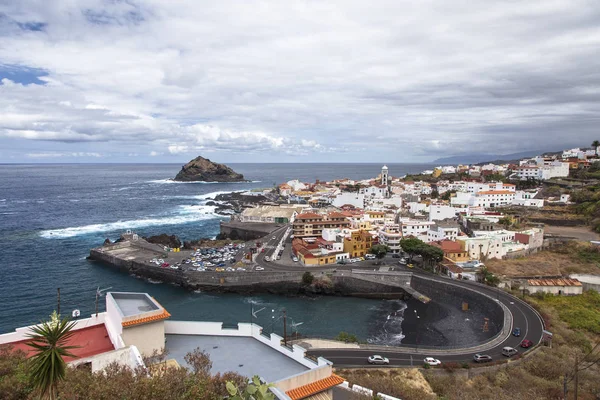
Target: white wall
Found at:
21, 333
245, 330
355, 199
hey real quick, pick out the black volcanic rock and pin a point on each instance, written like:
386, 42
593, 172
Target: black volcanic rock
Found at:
165, 240
201, 169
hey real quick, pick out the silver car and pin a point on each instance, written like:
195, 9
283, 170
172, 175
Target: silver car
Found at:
377, 359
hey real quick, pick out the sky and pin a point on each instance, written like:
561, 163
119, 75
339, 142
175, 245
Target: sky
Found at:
295, 81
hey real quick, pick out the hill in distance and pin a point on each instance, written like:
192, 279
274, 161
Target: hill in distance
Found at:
483, 158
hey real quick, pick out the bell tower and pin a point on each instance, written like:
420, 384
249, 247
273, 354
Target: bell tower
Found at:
384, 175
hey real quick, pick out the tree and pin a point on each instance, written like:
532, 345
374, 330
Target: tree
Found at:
380, 250
410, 245
256, 390
446, 195
595, 145
505, 221
346, 337
307, 278
434, 194
49, 341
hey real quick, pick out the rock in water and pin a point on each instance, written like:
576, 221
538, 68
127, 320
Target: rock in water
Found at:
164, 240
201, 169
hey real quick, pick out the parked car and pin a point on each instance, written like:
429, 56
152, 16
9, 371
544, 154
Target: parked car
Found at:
370, 256
402, 261
509, 351
220, 269
481, 358
377, 359
267, 258
274, 238
295, 259
259, 269
526, 344
395, 255
516, 332
432, 361
410, 266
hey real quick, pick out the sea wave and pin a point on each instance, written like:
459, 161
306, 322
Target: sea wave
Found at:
170, 181
185, 214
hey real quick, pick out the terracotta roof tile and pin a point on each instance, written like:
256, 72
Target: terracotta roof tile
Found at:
309, 215
144, 320
315, 387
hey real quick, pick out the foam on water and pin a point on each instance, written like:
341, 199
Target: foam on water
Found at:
184, 215
170, 181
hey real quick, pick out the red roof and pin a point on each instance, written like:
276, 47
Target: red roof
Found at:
315, 387
309, 215
336, 215
90, 341
448, 246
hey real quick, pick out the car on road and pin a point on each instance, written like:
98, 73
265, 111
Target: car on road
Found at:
410, 266
402, 261
259, 269
267, 258
377, 359
295, 259
526, 344
263, 250
274, 238
509, 351
220, 269
370, 256
481, 358
516, 332
432, 361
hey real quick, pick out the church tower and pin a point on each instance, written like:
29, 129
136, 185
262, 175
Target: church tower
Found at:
384, 175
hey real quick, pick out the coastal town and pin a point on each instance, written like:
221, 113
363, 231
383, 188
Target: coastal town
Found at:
460, 217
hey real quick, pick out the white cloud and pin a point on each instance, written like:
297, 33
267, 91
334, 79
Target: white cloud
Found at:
60, 155
404, 79
154, 153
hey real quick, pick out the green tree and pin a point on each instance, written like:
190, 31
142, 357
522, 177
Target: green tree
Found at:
506, 222
595, 145
307, 278
411, 245
49, 341
256, 390
446, 195
434, 194
431, 254
346, 337
380, 250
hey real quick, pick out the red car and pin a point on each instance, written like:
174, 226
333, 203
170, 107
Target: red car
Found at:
526, 344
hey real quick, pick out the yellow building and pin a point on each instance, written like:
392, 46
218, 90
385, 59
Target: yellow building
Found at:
436, 172
358, 244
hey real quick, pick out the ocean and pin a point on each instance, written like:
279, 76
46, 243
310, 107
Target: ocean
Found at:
51, 215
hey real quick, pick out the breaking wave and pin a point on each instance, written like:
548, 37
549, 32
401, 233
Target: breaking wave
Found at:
389, 325
184, 215
170, 181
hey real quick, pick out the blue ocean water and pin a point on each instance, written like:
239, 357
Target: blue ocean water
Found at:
51, 215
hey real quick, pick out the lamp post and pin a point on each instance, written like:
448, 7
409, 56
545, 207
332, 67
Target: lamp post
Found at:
417, 336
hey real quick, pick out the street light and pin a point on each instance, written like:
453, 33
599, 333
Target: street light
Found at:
417, 336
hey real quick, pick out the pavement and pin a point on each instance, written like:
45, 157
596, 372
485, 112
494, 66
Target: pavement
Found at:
520, 314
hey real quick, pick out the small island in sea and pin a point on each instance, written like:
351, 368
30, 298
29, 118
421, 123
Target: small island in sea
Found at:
201, 169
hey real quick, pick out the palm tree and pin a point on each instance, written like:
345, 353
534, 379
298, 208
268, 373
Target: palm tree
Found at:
49, 341
595, 145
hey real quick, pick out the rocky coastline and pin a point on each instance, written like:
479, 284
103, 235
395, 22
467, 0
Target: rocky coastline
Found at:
234, 203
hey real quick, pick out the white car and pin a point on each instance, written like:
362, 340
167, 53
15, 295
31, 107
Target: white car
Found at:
377, 359
259, 269
274, 238
370, 256
295, 259
432, 361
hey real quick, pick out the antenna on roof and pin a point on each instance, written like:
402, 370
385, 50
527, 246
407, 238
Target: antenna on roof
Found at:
98, 295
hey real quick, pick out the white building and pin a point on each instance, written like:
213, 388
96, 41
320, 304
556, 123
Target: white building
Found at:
443, 231
384, 175
547, 170
354, 199
374, 191
526, 199
493, 198
439, 212
296, 185
562, 286
416, 228
390, 236
476, 187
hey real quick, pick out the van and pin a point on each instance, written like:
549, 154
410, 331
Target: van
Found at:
509, 351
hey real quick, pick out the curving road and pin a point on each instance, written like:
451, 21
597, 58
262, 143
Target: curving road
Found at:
523, 316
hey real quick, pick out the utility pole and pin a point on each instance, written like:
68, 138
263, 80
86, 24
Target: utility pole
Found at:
576, 376
565, 390
58, 301
284, 327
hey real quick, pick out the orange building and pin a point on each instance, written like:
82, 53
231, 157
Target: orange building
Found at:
358, 244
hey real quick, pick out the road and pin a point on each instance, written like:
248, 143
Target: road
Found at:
523, 315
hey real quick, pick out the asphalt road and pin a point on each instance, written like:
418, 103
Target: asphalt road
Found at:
524, 316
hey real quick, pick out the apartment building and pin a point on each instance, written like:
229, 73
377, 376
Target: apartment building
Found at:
358, 243
312, 224
390, 236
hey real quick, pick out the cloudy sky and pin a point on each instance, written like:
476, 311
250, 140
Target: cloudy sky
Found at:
269, 81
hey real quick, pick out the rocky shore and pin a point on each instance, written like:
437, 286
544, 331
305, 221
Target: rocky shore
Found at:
234, 203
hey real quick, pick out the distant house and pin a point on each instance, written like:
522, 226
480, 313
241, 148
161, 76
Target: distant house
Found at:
562, 286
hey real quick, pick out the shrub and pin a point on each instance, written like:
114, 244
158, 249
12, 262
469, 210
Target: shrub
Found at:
346, 337
307, 278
